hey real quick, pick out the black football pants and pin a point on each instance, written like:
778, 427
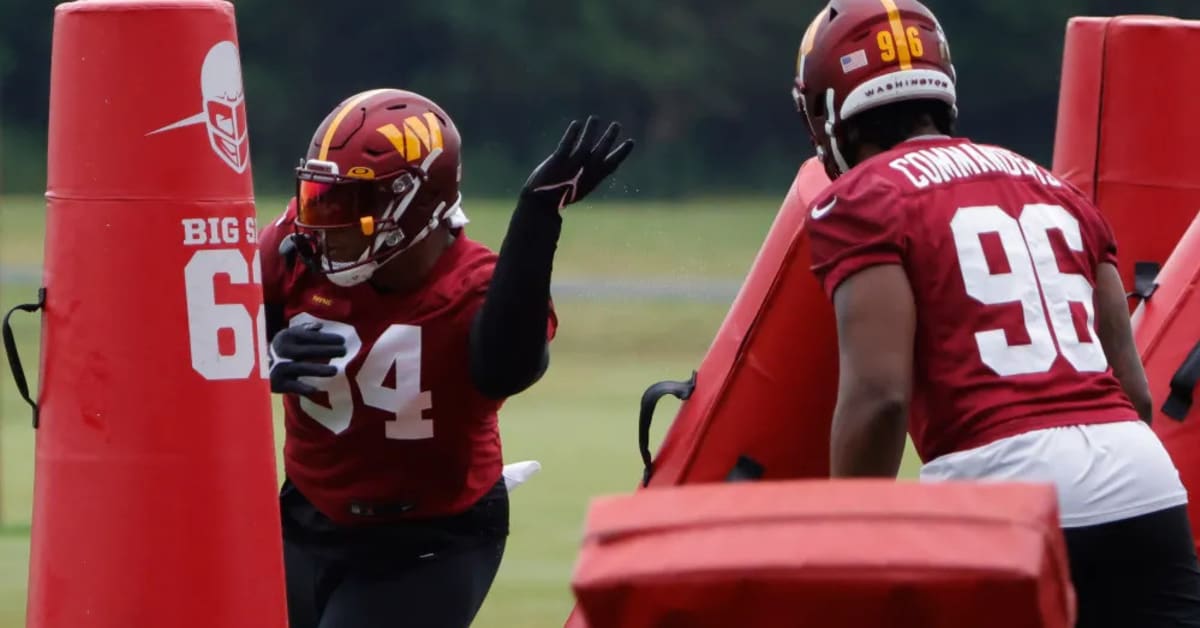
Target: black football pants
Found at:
1136, 573
445, 590
432, 574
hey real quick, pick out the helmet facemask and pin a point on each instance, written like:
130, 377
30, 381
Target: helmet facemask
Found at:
328, 201
823, 118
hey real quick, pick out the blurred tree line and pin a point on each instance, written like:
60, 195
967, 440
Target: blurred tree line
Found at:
702, 84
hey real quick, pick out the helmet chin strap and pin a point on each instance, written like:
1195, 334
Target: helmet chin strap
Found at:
356, 274
346, 274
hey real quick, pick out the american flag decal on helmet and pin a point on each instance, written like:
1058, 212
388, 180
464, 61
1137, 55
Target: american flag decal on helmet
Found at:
854, 61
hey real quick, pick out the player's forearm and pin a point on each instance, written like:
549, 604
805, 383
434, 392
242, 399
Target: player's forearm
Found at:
867, 439
1128, 369
508, 337
1116, 338
1129, 372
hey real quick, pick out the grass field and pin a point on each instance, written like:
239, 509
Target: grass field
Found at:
579, 421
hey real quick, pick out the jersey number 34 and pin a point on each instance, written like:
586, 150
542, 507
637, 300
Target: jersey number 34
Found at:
1035, 281
399, 346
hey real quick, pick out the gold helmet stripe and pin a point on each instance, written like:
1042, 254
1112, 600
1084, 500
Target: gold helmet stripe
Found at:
903, 54
341, 115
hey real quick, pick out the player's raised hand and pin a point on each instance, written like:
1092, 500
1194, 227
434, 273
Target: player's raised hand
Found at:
293, 348
579, 164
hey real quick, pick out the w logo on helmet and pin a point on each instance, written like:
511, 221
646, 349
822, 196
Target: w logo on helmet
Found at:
421, 136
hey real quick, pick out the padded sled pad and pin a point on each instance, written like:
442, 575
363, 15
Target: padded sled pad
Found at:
826, 553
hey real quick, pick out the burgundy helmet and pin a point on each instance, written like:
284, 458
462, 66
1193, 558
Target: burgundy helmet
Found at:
385, 161
860, 54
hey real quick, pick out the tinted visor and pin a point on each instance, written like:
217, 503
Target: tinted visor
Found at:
325, 204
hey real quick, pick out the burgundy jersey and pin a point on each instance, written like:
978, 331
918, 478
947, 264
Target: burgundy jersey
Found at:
401, 429
1002, 259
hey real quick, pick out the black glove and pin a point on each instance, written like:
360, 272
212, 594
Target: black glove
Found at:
291, 348
578, 165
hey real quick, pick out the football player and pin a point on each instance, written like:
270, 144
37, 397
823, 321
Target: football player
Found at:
979, 307
395, 340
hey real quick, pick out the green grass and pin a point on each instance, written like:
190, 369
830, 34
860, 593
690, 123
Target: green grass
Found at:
579, 421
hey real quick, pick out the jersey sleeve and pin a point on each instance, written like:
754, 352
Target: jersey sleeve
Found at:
478, 279
1101, 241
1106, 241
854, 227
274, 266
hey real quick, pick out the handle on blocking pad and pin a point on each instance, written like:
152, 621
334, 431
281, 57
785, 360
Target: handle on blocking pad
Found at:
1183, 382
681, 391
10, 348
1144, 274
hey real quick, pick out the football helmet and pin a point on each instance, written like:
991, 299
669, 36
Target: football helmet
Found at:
386, 161
860, 54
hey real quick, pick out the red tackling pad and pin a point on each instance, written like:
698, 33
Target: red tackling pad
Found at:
832, 554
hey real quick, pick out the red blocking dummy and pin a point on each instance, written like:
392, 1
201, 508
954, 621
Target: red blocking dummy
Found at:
768, 384
155, 484
1127, 128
